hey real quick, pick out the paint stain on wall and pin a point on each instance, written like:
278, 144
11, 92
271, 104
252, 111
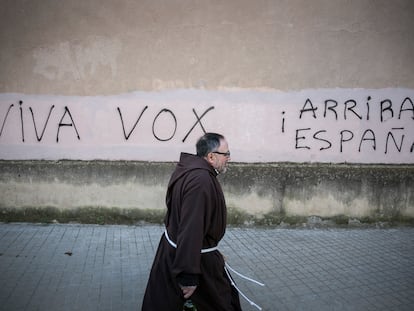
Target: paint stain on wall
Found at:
77, 59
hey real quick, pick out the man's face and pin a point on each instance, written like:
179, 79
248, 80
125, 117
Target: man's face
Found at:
220, 157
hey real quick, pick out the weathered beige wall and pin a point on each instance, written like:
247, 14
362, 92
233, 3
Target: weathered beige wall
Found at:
102, 191
97, 47
103, 47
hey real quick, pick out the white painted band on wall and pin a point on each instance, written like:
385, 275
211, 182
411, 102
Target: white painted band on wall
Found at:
316, 125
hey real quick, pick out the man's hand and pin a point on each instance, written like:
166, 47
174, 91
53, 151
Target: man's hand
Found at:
188, 291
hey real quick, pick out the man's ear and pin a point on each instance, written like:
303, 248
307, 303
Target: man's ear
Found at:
210, 158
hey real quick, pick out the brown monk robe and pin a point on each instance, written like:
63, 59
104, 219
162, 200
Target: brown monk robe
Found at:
195, 220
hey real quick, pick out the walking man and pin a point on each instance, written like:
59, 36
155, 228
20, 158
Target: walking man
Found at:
187, 264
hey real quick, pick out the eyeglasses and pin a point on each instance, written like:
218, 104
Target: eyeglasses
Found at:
226, 154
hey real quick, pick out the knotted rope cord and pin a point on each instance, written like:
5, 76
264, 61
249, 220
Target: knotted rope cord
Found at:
226, 268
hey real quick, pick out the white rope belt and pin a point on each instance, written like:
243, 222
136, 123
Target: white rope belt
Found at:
204, 250
226, 268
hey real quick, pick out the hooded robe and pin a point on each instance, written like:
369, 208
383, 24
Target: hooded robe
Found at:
195, 220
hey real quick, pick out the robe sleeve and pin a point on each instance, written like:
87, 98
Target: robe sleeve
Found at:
194, 212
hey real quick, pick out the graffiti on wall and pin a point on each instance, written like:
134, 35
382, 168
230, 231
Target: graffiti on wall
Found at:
357, 126
386, 110
66, 119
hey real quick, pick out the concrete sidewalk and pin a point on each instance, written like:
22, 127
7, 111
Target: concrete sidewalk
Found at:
91, 267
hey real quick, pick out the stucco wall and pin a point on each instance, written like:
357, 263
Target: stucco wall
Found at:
102, 47
53, 52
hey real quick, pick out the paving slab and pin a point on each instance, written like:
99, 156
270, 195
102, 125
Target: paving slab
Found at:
105, 267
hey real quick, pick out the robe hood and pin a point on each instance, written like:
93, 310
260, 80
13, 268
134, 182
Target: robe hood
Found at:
189, 162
